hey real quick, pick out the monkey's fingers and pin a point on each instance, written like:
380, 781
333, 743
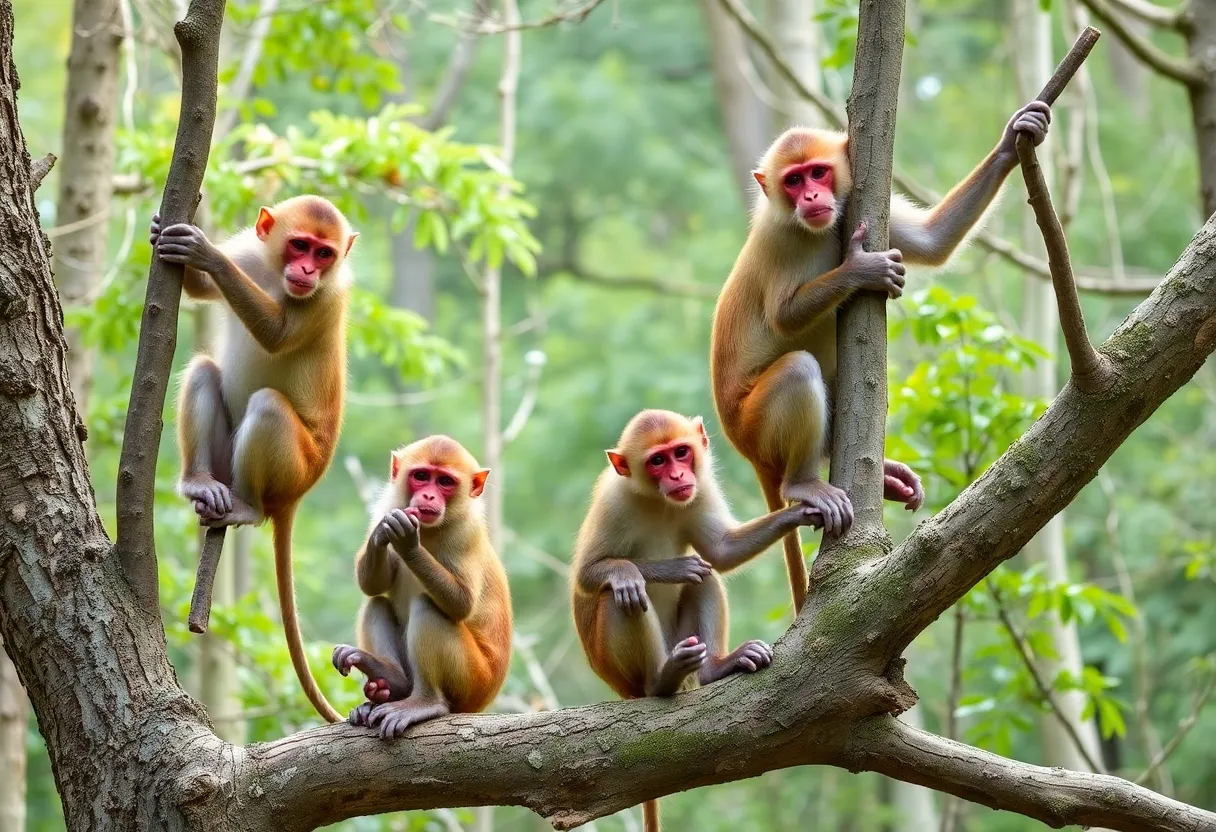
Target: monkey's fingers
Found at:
360, 714
345, 657
858, 236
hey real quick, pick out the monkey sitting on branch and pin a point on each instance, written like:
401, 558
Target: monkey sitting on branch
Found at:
652, 616
258, 423
434, 635
773, 348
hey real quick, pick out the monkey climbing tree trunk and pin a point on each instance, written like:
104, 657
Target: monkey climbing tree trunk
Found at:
859, 423
14, 713
86, 167
1032, 33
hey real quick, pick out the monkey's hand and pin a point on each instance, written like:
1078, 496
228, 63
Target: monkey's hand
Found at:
879, 271
629, 591
804, 514
689, 569
154, 231
1032, 120
902, 485
400, 530
188, 245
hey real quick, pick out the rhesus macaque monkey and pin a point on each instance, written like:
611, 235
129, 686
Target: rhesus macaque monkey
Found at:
258, 422
652, 616
773, 351
434, 635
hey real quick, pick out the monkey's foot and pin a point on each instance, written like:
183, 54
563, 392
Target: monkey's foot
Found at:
686, 657
901, 485
832, 502
385, 682
748, 658
212, 499
241, 514
360, 714
395, 718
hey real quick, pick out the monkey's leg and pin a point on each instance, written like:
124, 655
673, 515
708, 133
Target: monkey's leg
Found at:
204, 437
787, 414
703, 612
449, 670
380, 656
275, 459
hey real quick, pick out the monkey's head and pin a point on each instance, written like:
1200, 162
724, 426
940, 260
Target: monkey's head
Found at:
805, 176
438, 480
662, 453
310, 238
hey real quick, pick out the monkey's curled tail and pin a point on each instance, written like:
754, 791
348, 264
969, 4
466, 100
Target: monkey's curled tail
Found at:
650, 816
282, 523
794, 561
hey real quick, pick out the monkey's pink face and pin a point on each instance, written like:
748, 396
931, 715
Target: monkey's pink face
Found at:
672, 468
305, 260
429, 489
809, 186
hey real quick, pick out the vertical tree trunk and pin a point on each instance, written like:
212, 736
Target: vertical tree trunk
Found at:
14, 713
86, 167
1201, 45
797, 37
745, 119
1040, 322
1130, 75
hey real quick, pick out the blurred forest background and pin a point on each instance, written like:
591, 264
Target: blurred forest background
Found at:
528, 302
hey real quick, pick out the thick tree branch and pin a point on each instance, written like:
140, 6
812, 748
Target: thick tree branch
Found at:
1183, 70
199, 37
1055, 796
859, 423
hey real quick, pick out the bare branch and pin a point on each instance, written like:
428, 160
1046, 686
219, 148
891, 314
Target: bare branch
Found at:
239, 89
127, 184
457, 71
199, 36
1044, 689
204, 580
698, 291
39, 168
1183, 70
1184, 728
1055, 796
488, 26
1150, 13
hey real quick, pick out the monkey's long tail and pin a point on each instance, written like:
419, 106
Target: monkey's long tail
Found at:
282, 524
794, 562
650, 816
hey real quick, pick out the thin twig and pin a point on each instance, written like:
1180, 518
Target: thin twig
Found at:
486, 26
644, 283
241, 85
199, 36
1184, 728
1150, 13
204, 580
39, 168
1090, 372
1044, 689
457, 71
950, 804
1183, 70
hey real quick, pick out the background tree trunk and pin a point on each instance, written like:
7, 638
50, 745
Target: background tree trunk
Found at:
1031, 32
86, 167
793, 29
14, 714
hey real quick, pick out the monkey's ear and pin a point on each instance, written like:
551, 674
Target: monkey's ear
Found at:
479, 482
350, 242
759, 176
618, 462
265, 223
394, 464
700, 423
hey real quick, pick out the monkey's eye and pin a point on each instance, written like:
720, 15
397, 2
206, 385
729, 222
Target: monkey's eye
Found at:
299, 245
818, 172
657, 460
421, 476
445, 481
681, 452
325, 253
793, 180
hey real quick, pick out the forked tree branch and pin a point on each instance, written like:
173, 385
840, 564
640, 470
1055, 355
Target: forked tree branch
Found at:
1183, 70
199, 37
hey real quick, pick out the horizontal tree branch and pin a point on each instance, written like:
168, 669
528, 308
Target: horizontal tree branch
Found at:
700, 291
1151, 13
1183, 70
1054, 796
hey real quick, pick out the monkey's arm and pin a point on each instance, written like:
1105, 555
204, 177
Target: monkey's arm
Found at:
199, 285
451, 594
604, 573
727, 547
930, 237
376, 567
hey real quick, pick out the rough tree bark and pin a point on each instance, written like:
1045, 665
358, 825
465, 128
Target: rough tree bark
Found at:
130, 750
87, 166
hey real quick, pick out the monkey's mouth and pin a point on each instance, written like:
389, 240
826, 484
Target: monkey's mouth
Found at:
427, 514
682, 494
300, 287
816, 213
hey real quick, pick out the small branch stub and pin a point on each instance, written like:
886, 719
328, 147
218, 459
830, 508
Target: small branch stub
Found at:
204, 581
